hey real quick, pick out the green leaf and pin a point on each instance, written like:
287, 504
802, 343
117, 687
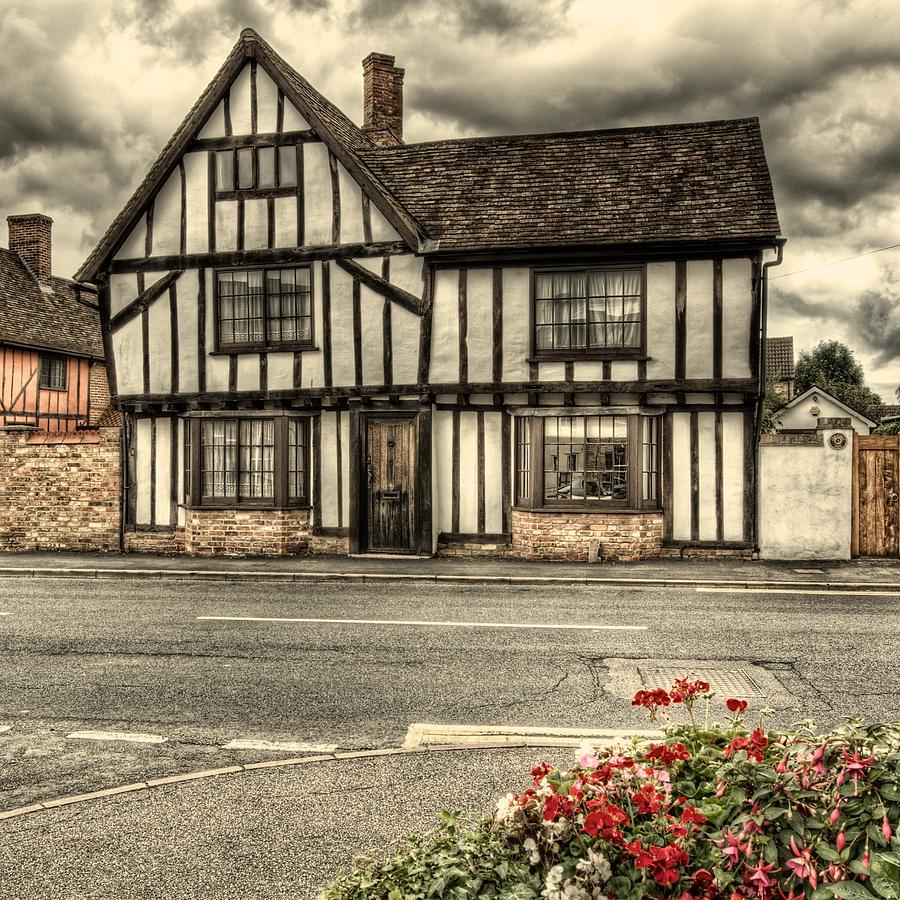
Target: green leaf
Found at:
887, 888
851, 890
828, 853
874, 833
889, 791
889, 856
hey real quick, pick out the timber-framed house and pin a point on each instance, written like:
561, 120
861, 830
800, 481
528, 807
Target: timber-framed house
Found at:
324, 339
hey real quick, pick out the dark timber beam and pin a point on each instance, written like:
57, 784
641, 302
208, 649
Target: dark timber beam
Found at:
265, 139
381, 286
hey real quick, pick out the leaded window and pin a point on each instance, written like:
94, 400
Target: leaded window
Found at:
53, 373
259, 169
593, 311
298, 459
259, 308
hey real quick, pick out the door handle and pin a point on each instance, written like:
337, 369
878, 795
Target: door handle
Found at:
893, 498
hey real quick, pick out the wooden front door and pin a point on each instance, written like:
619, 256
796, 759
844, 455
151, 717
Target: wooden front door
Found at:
876, 479
390, 470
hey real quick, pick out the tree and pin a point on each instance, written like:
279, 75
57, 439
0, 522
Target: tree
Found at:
772, 405
831, 366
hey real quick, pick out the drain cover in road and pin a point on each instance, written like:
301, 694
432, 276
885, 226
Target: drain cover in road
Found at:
725, 682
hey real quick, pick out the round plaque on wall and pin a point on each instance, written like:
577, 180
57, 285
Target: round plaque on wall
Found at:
838, 441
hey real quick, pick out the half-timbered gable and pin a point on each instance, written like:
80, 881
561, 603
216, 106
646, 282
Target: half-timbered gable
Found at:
327, 339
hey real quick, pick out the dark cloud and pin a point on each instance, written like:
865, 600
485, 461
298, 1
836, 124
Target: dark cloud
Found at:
877, 320
782, 300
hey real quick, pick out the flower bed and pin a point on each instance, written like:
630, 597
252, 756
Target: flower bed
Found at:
721, 811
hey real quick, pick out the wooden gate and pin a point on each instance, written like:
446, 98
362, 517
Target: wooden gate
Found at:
876, 495
390, 469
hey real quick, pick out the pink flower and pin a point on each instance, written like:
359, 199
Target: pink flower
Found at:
886, 828
802, 866
732, 848
758, 877
587, 757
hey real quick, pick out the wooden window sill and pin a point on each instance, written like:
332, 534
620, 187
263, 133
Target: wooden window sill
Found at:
590, 510
274, 348
602, 356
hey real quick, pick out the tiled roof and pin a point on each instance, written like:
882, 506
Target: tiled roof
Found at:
780, 358
51, 320
699, 181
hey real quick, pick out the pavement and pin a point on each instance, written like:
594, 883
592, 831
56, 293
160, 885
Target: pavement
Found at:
284, 828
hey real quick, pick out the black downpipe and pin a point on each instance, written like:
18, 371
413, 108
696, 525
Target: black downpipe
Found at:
757, 431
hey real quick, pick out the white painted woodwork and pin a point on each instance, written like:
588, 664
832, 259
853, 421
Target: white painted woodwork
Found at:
733, 475
371, 307
226, 225
240, 101
346, 450
293, 120
122, 290
180, 425
516, 324
736, 314
706, 465
142, 456
480, 324
681, 476
698, 355
248, 372
660, 325
317, 209
256, 224
405, 330
351, 208
493, 469
329, 493
164, 471
159, 333
196, 174
342, 366
285, 221
167, 217
266, 102
442, 498
468, 480
445, 328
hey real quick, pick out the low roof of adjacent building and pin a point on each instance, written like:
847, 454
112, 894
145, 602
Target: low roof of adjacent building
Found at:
60, 316
800, 398
696, 182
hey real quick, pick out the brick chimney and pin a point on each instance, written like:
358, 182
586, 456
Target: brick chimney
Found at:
29, 236
383, 100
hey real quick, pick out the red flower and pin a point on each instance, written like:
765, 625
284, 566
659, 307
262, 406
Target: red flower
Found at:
651, 699
667, 753
735, 706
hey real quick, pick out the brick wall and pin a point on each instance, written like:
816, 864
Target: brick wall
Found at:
98, 385
60, 491
30, 237
562, 535
246, 532
382, 99
169, 541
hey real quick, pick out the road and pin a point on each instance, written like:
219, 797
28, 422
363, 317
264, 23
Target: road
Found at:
197, 665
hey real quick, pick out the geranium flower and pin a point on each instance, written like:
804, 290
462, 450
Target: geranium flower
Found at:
736, 706
587, 757
667, 753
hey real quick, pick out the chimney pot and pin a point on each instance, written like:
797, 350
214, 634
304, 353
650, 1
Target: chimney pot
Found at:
29, 236
383, 99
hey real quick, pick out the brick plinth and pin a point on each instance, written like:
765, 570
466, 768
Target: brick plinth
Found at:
60, 491
706, 553
466, 550
246, 532
169, 542
568, 535
328, 545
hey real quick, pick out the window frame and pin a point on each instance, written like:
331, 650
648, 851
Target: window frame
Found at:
280, 499
575, 354
276, 190
50, 359
635, 441
266, 345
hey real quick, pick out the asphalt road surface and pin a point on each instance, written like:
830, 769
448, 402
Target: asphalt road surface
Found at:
181, 669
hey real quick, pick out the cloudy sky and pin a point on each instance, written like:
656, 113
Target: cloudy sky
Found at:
90, 90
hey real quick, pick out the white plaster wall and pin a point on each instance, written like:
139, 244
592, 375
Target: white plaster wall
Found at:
344, 424
800, 416
351, 208
240, 101
551, 371
248, 372
681, 476
293, 120
442, 496
405, 330
136, 242
122, 290
733, 476
516, 319
196, 173
256, 224
285, 221
406, 273
178, 435
313, 375
805, 498
141, 438
266, 102
128, 354
699, 320
167, 217
329, 470
215, 124
281, 371
216, 366
737, 302
493, 473
591, 370
445, 328
159, 346
342, 367
382, 230
624, 370
372, 333
316, 194
163, 471
468, 468
187, 289
706, 464
661, 320
480, 322
226, 225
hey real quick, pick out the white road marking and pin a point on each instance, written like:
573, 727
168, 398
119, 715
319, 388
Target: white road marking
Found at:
5, 728
5, 614
279, 746
424, 734
810, 571
822, 592
533, 625
132, 737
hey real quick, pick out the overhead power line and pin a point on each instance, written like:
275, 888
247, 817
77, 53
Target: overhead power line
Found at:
834, 262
